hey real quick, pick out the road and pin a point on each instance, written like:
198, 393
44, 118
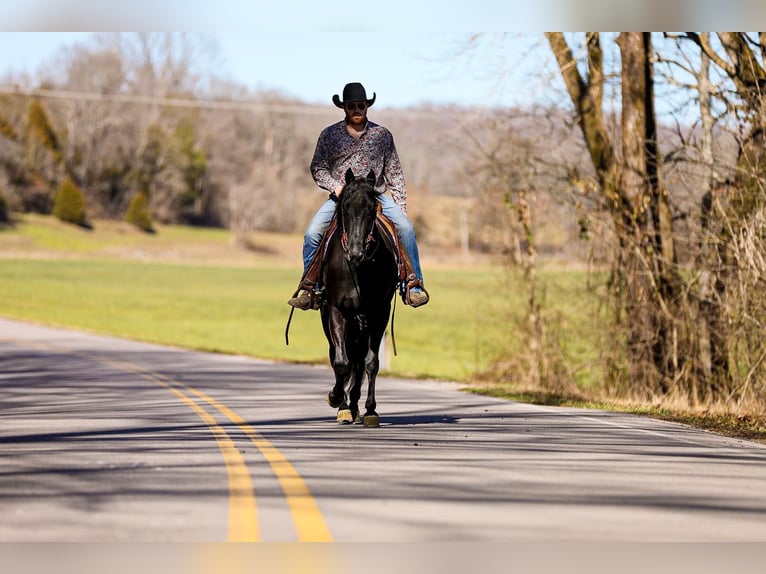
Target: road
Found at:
105, 440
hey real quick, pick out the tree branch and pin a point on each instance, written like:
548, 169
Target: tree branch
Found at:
704, 43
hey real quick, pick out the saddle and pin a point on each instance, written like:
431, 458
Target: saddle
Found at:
310, 281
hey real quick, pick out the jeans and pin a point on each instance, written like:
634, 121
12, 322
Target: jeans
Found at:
404, 229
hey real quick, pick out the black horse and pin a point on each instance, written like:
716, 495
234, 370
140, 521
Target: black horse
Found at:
360, 276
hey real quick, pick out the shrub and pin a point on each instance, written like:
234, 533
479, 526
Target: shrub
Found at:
69, 204
40, 129
138, 212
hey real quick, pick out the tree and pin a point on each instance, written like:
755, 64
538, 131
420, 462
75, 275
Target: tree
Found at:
645, 281
100, 135
138, 213
735, 213
44, 155
697, 149
69, 204
40, 132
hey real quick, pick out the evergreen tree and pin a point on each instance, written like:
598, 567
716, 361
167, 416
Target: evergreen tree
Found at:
6, 129
69, 204
138, 213
40, 131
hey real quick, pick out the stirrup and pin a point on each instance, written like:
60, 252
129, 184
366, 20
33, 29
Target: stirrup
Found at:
304, 301
311, 298
413, 281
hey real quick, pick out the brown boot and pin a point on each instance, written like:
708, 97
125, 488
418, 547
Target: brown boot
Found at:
417, 298
303, 301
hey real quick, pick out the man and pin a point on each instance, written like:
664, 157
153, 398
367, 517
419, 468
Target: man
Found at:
361, 145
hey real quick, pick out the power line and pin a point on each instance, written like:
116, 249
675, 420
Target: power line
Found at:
248, 106
165, 101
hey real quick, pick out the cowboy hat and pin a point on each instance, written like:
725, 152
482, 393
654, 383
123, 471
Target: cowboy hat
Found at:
353, 92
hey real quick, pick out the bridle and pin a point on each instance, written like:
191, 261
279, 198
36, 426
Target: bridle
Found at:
370, 239
367, 241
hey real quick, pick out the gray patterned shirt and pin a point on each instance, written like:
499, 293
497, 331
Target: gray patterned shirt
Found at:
337, 150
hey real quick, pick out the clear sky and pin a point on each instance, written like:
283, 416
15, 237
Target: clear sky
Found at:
407, 51
403, 68
289, 16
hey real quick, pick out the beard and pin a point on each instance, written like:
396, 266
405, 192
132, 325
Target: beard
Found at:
357, 120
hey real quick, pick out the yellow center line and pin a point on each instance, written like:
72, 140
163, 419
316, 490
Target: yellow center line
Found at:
307, 518
243, 513
309, 524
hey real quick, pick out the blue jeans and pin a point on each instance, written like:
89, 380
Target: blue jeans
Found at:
404, 229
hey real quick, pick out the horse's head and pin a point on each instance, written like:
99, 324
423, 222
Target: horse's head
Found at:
357, 212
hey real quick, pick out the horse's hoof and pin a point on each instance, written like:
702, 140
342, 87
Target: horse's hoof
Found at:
345, 417
371, 421
330, 402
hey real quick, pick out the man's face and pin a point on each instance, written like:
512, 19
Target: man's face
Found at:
356, 112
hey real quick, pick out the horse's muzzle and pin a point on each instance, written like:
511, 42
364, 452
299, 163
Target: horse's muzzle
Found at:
355, 256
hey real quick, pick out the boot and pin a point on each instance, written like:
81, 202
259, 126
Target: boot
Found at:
303, 301
417, 297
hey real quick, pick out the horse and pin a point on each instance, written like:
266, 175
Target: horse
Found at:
360, 277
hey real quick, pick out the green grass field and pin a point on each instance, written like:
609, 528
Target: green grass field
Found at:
191, 288
242, 310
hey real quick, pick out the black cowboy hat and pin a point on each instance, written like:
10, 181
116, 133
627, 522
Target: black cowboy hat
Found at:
353, 92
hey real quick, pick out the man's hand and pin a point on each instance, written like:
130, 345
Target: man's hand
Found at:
334, 195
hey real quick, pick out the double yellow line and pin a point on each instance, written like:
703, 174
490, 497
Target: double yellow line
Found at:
243, 513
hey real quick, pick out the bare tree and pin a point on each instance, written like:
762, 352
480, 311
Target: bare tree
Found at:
646, 284
738, 210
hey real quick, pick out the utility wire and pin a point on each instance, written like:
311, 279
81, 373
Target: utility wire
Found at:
164, 101
250, 106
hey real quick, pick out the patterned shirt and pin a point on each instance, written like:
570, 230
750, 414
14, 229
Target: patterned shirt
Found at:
337, 150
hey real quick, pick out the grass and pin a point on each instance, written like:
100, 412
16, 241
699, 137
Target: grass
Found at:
191, 288
237, 310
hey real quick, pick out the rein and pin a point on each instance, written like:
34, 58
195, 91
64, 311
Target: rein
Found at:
369, 239
344, 245
352, 272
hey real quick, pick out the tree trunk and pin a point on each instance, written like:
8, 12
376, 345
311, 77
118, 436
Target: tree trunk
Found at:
712, 353
739, 207
646, 280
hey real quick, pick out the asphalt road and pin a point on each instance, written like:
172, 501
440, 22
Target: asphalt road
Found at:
104, 440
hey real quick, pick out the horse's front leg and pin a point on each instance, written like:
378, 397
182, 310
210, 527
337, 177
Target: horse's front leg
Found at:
341, 366
371, 366
356, 389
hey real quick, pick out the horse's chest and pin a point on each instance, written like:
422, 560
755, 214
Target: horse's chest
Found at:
351, 303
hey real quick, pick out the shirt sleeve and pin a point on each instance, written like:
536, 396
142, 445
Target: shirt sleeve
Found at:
320, 164
394, 176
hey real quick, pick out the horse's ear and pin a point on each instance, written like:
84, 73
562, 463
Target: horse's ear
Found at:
349, 175
371, 178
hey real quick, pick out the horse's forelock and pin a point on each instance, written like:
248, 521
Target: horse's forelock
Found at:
358, 190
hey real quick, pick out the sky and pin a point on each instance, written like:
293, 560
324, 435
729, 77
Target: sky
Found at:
402, 68
287, 16
408, 52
